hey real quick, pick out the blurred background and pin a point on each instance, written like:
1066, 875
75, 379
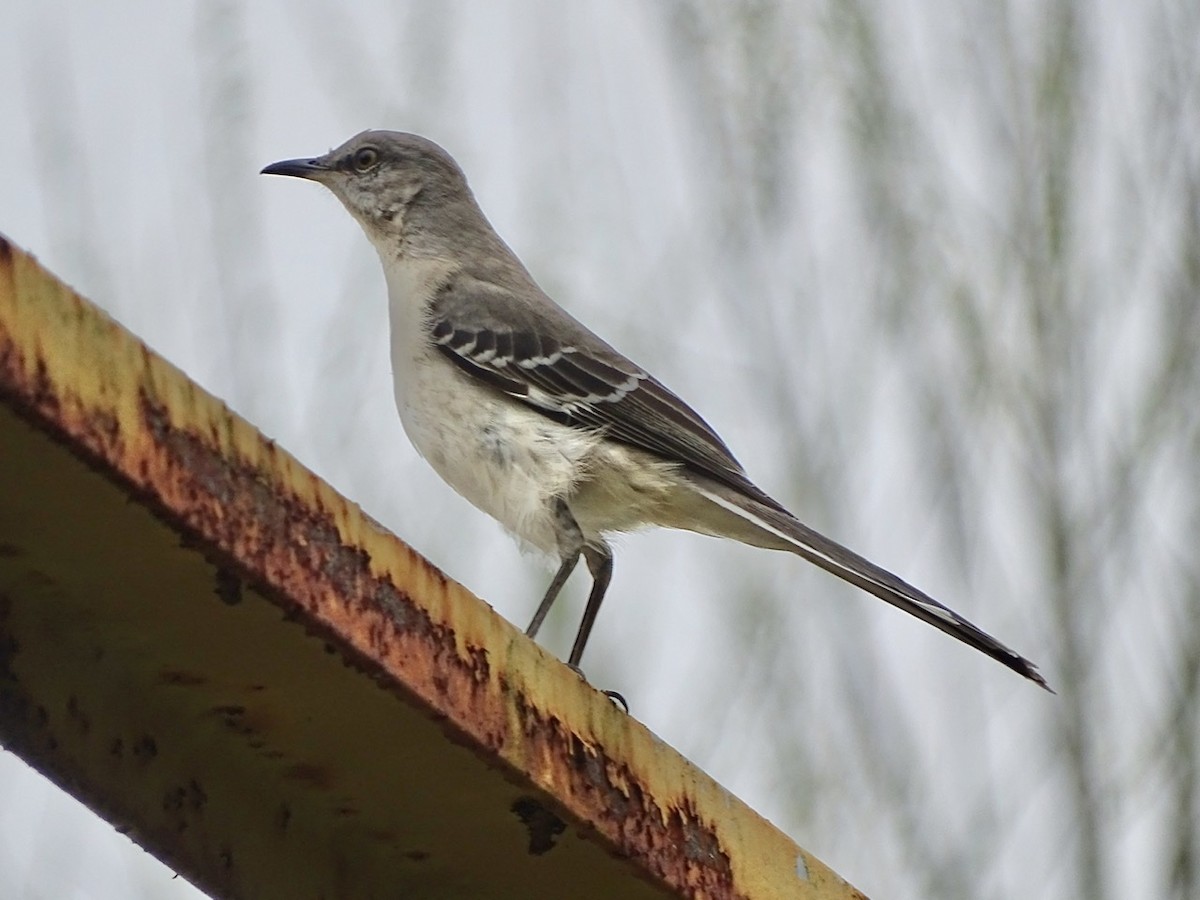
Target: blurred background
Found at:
933, 269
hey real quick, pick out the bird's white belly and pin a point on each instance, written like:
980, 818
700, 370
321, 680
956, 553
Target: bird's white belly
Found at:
508, 461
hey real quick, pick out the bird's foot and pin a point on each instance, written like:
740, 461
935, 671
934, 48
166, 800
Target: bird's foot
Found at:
615, 696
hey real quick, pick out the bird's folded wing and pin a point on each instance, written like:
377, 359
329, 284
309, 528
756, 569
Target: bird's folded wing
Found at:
547, 360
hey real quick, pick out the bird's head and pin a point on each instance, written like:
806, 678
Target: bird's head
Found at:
380, 175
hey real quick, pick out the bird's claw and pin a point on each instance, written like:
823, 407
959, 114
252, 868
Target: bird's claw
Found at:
615, 696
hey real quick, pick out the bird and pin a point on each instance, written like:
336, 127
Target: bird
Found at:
539, 422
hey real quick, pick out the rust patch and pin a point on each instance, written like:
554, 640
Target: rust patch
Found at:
8, 643
189, 797
312, 776
145, 749
543, 826
76, 715
239, 720
27, 721
228, 587
673, 844
181, 678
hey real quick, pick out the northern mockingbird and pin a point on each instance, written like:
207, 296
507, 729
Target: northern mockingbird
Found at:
539, 422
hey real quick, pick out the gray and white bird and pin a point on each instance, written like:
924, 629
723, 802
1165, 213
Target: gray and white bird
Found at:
536, 420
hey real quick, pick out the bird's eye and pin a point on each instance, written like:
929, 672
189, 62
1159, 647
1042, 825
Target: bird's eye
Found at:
366, 158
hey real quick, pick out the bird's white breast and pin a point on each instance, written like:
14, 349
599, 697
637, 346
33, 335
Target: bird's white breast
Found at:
507, 460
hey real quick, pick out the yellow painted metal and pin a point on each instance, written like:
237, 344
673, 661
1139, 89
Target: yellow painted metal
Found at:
237, 667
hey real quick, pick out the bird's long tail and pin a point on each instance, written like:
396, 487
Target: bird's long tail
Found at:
794, 535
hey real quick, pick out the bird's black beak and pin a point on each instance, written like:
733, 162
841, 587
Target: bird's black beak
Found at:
297, 168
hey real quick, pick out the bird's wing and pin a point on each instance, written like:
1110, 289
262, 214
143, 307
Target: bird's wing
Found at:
542, 357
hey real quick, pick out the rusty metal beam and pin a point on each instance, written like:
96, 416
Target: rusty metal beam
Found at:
234, 665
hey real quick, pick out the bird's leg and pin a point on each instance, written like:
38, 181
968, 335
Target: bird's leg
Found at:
570, 545
600, 564
560, 578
